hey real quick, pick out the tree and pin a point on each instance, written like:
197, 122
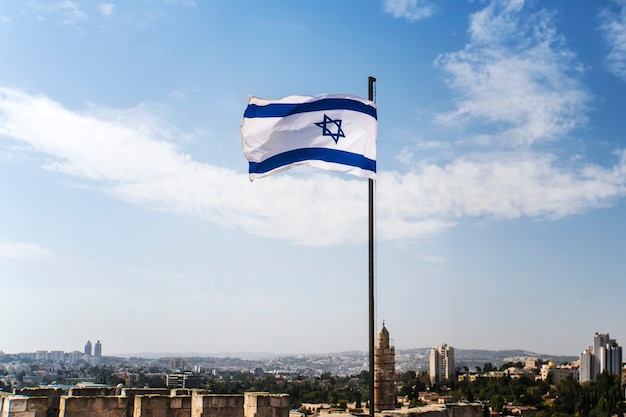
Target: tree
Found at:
5, 387
485, 410
568, 393
497, 403
507, 365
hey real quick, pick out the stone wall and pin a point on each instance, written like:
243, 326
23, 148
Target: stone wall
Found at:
131, 393
219, 405
93, 391
161, 406
93, 406
52, 394
468, 410
137, 402
262, 404
20, 406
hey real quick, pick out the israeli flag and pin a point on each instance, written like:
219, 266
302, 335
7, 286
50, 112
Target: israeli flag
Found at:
334, 132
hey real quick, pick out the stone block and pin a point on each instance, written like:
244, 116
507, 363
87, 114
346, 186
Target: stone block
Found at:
92, 391
85, 402
215, 405
53, 396
17, 404
162, 406
263, 404
20, 406
93, 406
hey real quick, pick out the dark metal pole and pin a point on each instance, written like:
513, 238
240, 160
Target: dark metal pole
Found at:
370, 96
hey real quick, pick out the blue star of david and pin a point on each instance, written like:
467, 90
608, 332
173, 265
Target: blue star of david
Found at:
326, 131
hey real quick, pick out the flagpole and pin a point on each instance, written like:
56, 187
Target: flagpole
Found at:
370, 96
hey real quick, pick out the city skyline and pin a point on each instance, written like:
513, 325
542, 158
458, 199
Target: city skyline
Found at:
126, 211
256, 355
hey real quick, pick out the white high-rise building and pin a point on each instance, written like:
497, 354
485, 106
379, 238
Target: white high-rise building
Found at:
88, 349
599, 355
604, 356
586, 365
97, 352
441, 363
613, 357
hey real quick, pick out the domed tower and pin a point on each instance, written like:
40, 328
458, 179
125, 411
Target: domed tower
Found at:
384, 370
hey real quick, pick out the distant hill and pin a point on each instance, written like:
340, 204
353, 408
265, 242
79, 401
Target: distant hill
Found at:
418, 359
350, 362
508, 355
159, 355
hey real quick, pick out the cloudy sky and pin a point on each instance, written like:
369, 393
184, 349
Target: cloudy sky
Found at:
126, 213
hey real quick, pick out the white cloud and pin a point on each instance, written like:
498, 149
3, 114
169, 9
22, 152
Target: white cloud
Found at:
22, 251
613, 28
504, 186
106, 9
433, 259
68, 11
411, 10
515, 75
405, 157
193, 135
186, 3
131, 156
178, 95
72, 13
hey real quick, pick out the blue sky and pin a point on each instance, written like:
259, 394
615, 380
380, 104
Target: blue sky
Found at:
126, 213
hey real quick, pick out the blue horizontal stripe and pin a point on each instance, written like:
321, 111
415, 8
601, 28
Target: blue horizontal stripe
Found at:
287, 109
313, 154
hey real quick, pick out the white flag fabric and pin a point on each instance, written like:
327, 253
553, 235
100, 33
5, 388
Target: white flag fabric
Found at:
335, 132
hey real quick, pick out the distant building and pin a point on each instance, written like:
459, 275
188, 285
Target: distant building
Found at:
88, 350
613, 358
428, 397
178, 364
585, 372
558, 373
604, 356
384, 371
97, 352
531, 364
183, 380
74, 357
441, 363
